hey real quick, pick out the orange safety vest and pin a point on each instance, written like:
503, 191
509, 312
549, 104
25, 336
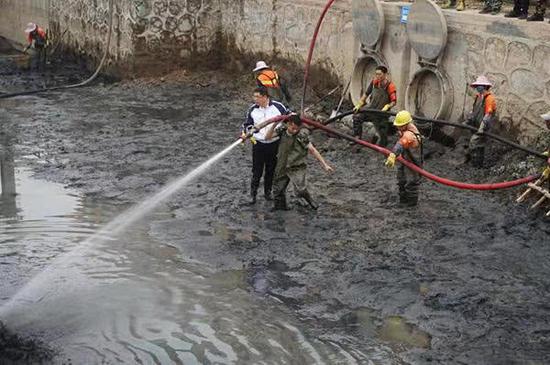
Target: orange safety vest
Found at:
39, 35
268, 78
410, 137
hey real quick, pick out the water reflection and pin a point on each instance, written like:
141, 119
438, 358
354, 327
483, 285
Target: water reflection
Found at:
135, 299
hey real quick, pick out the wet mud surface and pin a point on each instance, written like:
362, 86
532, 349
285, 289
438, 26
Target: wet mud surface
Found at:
462, 278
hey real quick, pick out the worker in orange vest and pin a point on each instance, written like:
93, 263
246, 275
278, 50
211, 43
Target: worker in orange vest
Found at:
37, 39
276, 86
409, 146
482, 116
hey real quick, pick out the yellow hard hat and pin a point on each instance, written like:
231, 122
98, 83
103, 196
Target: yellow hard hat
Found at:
402, 118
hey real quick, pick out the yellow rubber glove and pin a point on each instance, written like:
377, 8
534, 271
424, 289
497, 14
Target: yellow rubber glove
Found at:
358, 106
546, 173
546, 153
252, 140
386, 107
390, 161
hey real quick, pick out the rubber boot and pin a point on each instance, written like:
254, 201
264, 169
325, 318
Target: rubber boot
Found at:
310, 201
280, 203
477, 157
253, 194
537, 17
267, 195
402, 195
412, 201
460, 6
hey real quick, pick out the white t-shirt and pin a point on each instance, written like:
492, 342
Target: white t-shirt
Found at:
257, 115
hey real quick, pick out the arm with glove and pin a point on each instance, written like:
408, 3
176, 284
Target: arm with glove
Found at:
248, 129
363, 99
486, 123
489, 116
396, 152
392, 93
388, 106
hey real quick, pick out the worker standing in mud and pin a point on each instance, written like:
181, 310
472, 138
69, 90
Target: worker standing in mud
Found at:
264, 150
291, 160
383, 96
409, 145
270, 79
36, 37
482, 116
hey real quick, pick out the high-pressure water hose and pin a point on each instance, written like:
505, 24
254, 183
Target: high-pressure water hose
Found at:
310, 53
443, 122
408, 164
306, 75
412, 166
83, 83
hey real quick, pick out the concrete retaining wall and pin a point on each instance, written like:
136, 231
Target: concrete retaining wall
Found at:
512, 53
16, 14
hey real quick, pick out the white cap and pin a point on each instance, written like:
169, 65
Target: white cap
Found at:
545, 116
260, 65
31, 27
481, 81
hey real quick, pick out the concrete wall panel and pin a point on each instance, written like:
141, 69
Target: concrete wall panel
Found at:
16, 14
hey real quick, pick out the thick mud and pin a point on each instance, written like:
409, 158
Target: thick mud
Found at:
462, 278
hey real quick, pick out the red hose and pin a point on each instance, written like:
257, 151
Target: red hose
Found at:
426, 174
311, 48
410, 165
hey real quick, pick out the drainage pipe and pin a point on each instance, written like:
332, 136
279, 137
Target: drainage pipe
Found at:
83, 83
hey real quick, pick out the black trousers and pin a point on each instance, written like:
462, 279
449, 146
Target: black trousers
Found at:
264, 156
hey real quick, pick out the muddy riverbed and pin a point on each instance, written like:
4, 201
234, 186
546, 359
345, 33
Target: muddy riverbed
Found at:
462, 278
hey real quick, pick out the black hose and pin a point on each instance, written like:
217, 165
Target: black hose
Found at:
83, 83
443, 122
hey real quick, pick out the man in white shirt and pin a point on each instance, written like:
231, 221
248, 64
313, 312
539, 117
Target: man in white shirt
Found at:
264, 151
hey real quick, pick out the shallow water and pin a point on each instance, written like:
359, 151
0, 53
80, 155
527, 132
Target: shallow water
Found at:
134, 299
462, 278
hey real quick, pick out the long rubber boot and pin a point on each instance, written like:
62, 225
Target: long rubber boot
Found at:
280, 203
309, 200
477, 157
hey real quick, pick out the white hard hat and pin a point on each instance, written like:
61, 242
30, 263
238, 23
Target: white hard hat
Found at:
31, 27
481, 81
546, 116
260, 65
